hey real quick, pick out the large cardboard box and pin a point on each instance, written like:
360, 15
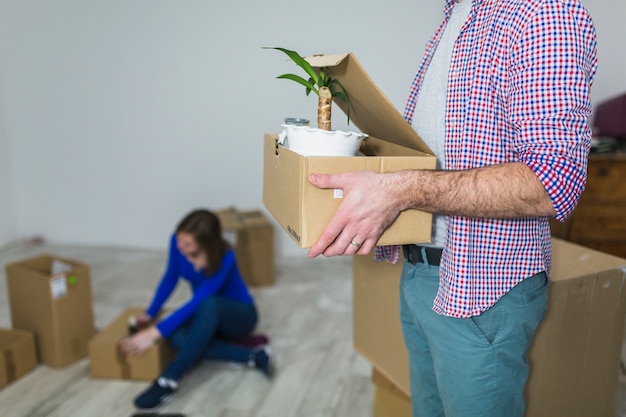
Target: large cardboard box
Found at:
389, 401
252, 235
303, 210
106, 361
574, 357
17, 354
51, 296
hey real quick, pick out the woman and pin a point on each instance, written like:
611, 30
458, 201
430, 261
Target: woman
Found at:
221, 308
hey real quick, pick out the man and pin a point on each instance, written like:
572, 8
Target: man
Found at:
502, 98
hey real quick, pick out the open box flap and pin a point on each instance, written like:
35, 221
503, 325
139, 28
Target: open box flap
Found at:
370, 110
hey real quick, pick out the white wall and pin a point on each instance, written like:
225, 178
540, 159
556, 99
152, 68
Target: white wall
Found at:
7, 213
609, 17
120, 116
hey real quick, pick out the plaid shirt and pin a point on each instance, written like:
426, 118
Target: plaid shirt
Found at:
518, 91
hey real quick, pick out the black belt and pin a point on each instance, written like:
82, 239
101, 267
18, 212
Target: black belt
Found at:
413, 254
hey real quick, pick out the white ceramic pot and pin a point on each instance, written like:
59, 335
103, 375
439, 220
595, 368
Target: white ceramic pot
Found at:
308, 141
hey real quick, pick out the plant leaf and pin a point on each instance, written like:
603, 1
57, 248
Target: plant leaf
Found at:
342, 95
298, 60
308, 90
293, 77
323, 80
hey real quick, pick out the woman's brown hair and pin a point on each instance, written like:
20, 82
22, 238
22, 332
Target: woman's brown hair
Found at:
206, 229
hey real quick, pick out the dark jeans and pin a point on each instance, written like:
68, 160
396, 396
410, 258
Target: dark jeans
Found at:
202, 336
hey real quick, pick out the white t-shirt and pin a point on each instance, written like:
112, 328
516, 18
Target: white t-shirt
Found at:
429, 118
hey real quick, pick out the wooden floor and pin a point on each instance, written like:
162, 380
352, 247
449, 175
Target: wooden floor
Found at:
307, 313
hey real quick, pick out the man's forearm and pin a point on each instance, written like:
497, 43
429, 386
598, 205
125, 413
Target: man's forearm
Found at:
500, 191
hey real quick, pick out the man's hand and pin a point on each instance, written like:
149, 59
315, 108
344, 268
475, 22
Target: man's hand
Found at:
140, 342
372, 201
366, 211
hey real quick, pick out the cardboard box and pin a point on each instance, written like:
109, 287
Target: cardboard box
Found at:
252, 235
51, 296
389, 401
17, 354
303, 210
377, 332
106, 361
574, 357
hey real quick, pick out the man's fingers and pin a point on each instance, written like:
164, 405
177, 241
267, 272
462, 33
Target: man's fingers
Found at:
326, 180
353, 228
325, 240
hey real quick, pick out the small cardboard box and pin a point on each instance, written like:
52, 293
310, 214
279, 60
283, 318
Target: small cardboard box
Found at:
303, 210
252, 235
574, 357
106, 361
17, 354
51, 296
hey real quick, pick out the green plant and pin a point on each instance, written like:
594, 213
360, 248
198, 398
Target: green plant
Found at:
324, 86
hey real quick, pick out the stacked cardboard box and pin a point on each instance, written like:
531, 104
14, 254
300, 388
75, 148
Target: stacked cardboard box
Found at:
303, 210
51, 296
17, 354
106, 361
574, 357
252, 235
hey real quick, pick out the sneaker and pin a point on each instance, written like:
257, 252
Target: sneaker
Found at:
263, 359
161, 391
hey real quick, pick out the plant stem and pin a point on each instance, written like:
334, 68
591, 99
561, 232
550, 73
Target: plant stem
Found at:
324, 106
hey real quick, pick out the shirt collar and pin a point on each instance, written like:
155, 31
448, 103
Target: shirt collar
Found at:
448, 8
450, 5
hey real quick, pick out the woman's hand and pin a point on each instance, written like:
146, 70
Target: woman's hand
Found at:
142, 320
137, 344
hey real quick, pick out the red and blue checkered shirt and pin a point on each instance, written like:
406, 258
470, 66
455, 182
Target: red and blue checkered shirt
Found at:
518, 91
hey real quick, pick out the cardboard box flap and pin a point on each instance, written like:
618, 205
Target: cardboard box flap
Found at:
370, 110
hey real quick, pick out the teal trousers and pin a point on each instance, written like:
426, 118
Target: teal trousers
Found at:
468, 367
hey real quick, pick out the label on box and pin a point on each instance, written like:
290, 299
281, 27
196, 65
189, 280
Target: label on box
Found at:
337, 193
60, 266
58, 287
